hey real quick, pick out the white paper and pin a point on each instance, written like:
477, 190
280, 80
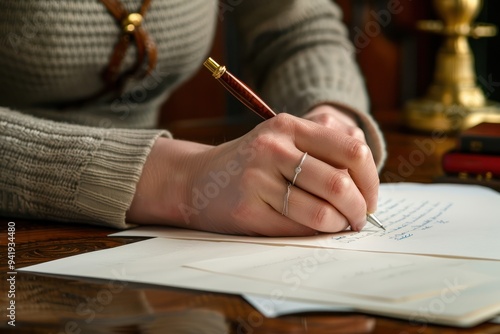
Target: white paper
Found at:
384, 277
434, 219
271, 309
160, 261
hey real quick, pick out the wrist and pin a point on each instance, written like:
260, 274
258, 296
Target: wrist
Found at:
164, 183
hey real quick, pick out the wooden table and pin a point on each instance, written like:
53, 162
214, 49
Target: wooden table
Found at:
47, 304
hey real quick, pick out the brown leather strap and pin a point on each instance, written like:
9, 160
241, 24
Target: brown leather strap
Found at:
132, 31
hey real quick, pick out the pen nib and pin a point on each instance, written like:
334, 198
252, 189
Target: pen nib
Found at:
374, 221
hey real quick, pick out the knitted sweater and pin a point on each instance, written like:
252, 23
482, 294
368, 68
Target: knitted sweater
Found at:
82, 164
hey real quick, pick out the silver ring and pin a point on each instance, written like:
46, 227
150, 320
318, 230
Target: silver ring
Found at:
289, 185
298, 169
285, 200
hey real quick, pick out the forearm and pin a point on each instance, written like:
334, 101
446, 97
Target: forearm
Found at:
69, 173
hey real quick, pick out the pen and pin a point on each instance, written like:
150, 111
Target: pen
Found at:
246, 96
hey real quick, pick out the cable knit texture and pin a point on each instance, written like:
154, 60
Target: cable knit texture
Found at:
82, 164
69, 172
299, 56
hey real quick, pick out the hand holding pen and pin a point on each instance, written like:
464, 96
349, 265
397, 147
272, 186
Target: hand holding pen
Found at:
289, 176
346, 181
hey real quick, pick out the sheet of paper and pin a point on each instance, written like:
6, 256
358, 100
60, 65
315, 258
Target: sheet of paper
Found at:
271, 309
386, 277
268, 307
160, 261
434, 219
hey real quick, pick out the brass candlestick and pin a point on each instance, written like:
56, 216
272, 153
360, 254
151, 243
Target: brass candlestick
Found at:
454, 101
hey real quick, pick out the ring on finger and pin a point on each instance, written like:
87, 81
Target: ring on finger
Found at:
298, 169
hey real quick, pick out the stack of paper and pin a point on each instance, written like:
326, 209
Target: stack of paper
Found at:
438, 261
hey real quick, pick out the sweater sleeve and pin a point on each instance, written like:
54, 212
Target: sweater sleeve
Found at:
69, 173
300, 56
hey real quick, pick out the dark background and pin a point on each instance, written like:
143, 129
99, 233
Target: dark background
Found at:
487, 50
398, 63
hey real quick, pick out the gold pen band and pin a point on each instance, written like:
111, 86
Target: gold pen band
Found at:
216, 69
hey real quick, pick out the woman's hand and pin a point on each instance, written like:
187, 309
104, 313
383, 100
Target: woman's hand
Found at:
239, 187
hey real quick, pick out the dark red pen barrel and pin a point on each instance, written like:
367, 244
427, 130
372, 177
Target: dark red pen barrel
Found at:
245, 95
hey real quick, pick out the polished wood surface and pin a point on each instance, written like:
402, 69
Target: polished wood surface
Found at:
50, 304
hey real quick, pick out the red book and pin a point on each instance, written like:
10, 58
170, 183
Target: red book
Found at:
483, 138
457, 162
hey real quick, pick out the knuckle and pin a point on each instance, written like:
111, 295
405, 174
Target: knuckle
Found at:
358, 151
270, 145
357, 133
319, 217
325, 119
249, 177
281, 123
264, 142
338, 184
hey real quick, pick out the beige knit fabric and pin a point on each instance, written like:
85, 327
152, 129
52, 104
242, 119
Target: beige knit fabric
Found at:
82, 164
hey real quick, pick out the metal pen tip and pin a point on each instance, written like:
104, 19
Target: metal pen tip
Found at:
370, 217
